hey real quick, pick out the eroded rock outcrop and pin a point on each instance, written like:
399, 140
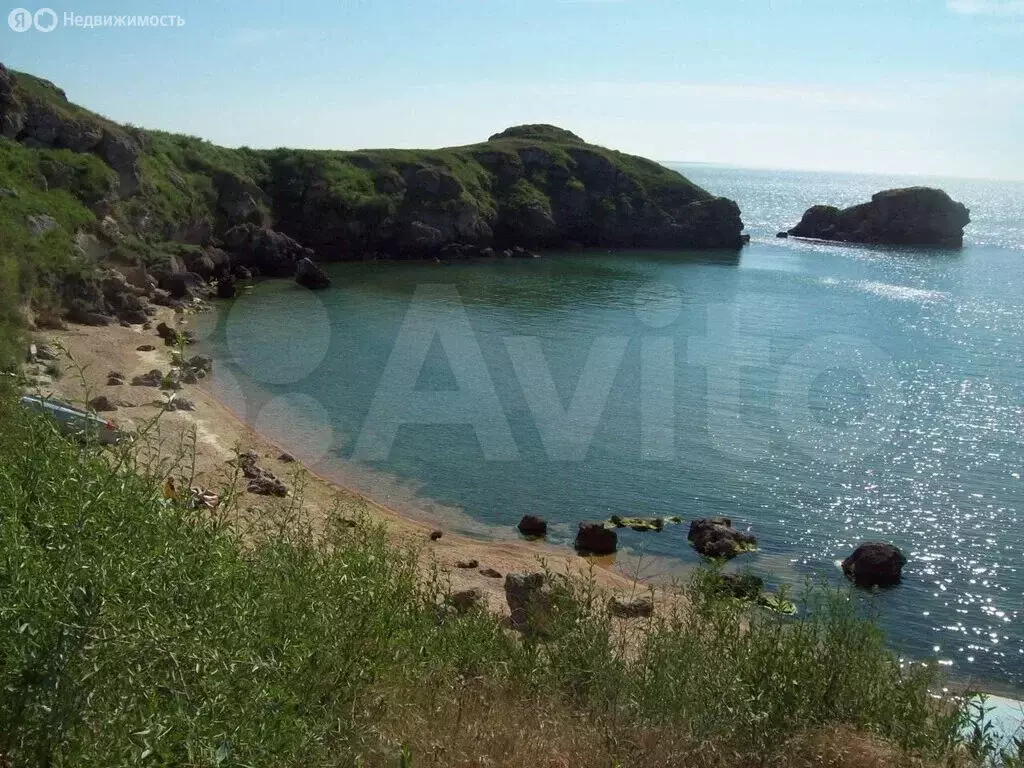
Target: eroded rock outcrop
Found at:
193, 213
267, 251
910, 216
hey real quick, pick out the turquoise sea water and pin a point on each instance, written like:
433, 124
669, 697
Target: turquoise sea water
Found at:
821, 395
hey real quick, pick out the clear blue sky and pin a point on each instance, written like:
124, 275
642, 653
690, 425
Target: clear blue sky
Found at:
918, 86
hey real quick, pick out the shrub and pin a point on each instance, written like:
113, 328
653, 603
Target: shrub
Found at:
134, 628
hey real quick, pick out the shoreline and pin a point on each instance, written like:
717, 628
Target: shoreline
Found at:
95, 351
219, 430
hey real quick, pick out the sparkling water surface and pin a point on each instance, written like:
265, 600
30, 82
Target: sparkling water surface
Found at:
820, 395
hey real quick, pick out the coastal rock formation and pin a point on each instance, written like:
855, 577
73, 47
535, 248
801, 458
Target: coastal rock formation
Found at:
265, 251
596, 539
875, 563
531, 525
212, 208
910, 216
309, 275
715, 537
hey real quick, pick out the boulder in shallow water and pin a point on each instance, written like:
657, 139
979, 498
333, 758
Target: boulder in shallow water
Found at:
226, 287
595, 539
875, 564
309, 275
716, 538
910, 216
531, 525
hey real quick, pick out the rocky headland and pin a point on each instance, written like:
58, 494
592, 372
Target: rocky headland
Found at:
176, 215
909, 216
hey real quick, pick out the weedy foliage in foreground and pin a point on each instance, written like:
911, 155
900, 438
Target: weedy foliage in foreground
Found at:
135, 631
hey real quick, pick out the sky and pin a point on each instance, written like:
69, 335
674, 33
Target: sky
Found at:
893, 86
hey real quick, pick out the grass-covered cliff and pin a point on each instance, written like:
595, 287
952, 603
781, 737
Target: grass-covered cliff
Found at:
77, 189
530, 185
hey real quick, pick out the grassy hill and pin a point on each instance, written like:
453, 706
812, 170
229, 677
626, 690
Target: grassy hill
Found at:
77, 189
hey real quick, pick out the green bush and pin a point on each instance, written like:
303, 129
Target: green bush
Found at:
133, 629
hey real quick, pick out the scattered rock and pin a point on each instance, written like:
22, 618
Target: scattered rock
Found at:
145, 348
309, 275
78, 313
286, 458
465, 600
130, 317
201, 363
102, 403
171, 382
743, 586
115, 379
173, 337
247, 462
630, 609
152, 379
529, 601
595, 539
531, 525
226, 286
910, 216
261, 481
716, 538
435, 535
267, 485
46, 352
8, 192
40, 224
176, 403
490, 573
875, 563
467, 564
637, 523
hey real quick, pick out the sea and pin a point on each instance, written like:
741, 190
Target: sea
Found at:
819, 395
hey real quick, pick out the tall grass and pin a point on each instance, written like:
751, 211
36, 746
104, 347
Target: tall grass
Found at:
135, 631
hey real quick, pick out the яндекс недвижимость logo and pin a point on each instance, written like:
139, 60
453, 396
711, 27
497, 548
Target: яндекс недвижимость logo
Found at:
22, 20
46, 20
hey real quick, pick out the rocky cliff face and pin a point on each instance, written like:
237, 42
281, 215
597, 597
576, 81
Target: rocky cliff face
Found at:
911, 216
533, 186
189, 211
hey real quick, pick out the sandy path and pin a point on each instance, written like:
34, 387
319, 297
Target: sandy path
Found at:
93, 352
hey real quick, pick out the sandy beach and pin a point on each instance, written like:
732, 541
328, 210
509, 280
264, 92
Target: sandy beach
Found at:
89, 354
